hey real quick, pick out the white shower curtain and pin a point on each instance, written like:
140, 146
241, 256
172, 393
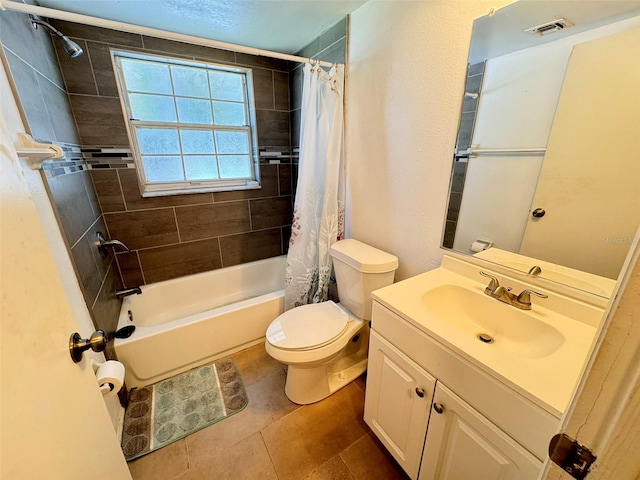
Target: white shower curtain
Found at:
318, 217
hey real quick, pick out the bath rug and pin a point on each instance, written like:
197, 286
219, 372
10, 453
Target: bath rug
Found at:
164, 412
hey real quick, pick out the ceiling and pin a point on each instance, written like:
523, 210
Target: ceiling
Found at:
279, 25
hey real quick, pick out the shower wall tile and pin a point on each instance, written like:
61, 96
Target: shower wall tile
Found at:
98, 34
273, 127
57, 102
263, 62
270, 212
164, 263
73, 204
281, 90
249, 247
185, 49
285, 184
102, 68
142, 229
263, 88
77, 74
206, 221
135, 201
32, 45
268, 180
130, 269
31, 100
107, 187
106, 308
99, 120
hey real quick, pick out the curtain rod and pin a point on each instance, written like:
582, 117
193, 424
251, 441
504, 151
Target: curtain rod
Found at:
152, 32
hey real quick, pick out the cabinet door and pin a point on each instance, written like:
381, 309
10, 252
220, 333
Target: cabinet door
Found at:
461, 444
397, 402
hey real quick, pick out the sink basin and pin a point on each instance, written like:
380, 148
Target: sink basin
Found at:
513, 331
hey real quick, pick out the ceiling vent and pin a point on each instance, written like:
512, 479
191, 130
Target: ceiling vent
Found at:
550, 27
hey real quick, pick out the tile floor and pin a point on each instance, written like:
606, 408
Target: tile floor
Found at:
273, 438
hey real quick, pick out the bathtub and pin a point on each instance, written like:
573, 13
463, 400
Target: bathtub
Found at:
193, 320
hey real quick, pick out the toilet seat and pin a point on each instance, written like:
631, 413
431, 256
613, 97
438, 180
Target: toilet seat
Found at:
308, 326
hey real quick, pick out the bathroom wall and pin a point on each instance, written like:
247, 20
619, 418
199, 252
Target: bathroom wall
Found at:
330, 46
179, 235
404, 96
32, 64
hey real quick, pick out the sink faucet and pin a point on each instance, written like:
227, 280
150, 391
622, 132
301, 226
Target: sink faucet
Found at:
504, 295
125, 292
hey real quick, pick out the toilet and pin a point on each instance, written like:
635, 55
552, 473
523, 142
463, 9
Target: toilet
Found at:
325, 344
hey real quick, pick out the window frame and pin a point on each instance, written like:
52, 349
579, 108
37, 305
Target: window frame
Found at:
154, 189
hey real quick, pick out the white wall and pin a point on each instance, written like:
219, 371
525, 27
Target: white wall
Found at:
407, 66
54, 420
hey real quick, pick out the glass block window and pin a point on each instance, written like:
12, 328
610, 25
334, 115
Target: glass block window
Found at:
191, 124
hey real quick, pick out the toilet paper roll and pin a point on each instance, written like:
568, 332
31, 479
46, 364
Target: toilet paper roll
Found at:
110, 377
479, 246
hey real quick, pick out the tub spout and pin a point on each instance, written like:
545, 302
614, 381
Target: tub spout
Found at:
125, 292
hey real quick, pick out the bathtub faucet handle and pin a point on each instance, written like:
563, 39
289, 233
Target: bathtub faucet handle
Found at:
125, 292
103, 244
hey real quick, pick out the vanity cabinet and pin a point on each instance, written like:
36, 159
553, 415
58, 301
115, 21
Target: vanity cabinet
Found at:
397, 402
443, 419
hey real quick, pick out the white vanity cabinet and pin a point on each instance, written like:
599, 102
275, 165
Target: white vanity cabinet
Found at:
441, 417
397, 402
463, 444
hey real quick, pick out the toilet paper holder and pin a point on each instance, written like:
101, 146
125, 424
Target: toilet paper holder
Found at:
77, 345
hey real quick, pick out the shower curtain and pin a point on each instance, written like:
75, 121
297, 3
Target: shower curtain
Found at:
318, 217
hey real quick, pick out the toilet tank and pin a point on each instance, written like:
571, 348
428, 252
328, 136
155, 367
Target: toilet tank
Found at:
360, 269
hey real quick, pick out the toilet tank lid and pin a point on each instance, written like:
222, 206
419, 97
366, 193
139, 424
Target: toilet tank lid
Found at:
363, 257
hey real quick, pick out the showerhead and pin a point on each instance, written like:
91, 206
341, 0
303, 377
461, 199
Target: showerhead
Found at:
70, 47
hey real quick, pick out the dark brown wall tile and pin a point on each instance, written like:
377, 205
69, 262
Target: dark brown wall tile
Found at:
174, 261
100, 120
286, 235
270, 212
281, 90
188, 50
86, 270
269, 182
98, 34
57, 102
73, 205
143, 229
284, 179
77, 74
263, 88
264, 62
248, 247
107, 188
135, 201
102, 69
206, 221
273, 128
106, 309
130, 269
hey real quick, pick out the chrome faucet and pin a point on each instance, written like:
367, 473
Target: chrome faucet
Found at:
535, 271
125, 292
504, 295
103, 244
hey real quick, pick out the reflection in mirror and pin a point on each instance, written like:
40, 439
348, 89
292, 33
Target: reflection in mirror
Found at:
546, 168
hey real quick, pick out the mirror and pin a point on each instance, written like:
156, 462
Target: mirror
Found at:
545, 168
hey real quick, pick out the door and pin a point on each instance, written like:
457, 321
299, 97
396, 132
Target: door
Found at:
55, 423
597, 212
397, 403
461, 444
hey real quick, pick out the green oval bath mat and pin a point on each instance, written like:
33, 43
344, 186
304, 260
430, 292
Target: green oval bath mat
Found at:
164, 412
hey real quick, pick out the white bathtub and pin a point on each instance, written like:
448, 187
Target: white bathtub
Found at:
193, 320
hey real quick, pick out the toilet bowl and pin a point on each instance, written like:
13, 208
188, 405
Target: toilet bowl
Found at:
325, 345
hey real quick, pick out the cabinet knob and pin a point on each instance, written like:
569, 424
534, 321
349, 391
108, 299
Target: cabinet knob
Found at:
420, 392
438, 407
